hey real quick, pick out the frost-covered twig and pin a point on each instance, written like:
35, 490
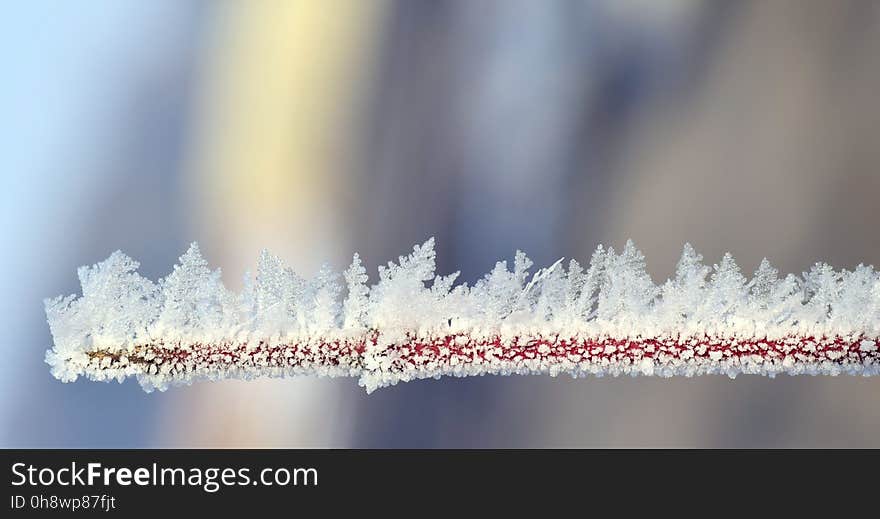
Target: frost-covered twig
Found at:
608, 319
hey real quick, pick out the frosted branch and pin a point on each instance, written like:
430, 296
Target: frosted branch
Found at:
610, 319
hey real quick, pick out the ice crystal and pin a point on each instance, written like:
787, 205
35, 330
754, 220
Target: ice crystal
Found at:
610, 318
191, 299
356, 304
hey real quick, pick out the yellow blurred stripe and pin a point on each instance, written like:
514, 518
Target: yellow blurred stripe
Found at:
280, 95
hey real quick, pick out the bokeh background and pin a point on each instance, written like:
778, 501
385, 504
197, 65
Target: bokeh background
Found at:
317, 129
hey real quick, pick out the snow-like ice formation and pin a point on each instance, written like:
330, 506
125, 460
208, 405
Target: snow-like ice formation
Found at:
609, 318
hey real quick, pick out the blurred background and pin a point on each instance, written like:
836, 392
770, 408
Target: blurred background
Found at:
317, 129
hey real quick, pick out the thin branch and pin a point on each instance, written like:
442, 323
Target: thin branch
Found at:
188, 326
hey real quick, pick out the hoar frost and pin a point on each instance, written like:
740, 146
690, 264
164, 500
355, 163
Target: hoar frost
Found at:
607, 317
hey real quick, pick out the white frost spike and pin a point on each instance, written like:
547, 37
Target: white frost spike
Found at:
192, 298
728, 291
627, 293
356, 304
326, 290
413, 323
683, 296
